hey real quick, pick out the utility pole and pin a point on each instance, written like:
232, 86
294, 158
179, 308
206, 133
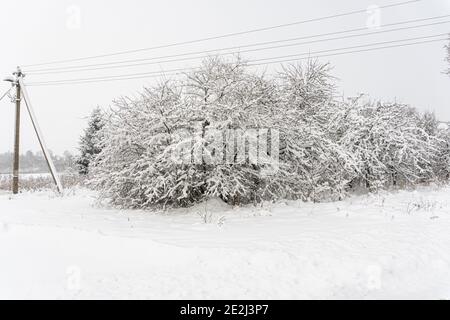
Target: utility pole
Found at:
21, 92
15, 186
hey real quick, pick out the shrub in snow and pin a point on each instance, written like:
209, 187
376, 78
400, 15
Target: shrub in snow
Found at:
222, 131
392, 144
158, 148
442, 166
448, 58
317, 166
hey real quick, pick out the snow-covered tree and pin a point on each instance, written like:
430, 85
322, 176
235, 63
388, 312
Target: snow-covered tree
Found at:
443, 168
392, 143
442, 160
90, 141
168, 146
310, 148
224, 97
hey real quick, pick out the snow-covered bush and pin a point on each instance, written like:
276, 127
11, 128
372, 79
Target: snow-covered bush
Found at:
442, 167
448, 58
223, 131
318, 167
159, 148
392, 143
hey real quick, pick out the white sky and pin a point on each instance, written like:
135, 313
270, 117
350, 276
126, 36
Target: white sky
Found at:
39, 31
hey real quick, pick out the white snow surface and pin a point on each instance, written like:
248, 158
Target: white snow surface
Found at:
388, 245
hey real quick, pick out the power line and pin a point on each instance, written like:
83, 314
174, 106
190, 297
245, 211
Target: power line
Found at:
173, 72
248, 45
259, 64
222, 36
40, 84
180, 70
359, 46
355, 51
126, 75
236, 52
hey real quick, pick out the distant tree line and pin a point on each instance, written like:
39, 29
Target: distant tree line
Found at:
34, 162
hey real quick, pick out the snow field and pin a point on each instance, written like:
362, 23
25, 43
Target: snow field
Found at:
389, 245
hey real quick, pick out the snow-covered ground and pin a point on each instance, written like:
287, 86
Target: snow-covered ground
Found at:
390, 245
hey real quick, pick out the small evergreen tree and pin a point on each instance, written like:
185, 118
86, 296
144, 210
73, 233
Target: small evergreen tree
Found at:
90, 141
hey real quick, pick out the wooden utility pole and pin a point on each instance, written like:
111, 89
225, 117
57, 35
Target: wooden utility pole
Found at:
15, 186
21, 92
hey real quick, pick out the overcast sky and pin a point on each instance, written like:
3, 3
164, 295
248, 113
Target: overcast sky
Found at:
46, 30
